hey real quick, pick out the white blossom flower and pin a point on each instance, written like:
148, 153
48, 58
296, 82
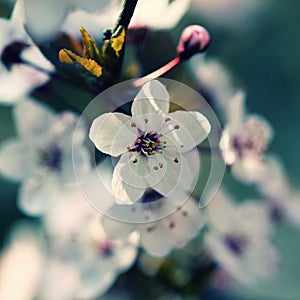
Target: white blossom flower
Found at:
41, 155
17, 78
78, 241
98, 258
244, 141
239, 239
155, 145
283, 201
21, 263
160, 237
164, 15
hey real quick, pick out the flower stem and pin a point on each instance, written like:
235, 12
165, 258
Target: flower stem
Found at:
159, 72
126, 14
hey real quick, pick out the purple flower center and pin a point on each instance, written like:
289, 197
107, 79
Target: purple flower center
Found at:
147, 143
11, 54
106, 249
52, 157
235, 243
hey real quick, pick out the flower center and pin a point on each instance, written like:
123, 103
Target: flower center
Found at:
11, 54
52, 157
147, 143
235, 243
106, 249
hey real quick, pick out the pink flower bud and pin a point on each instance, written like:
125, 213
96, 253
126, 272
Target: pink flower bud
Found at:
194, 39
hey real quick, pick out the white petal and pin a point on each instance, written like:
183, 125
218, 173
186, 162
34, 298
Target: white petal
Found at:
111, 134
249, 169
220, 211
43, 19
21, 263
177, 179
116, 229
96, 282
14, 164
152, 98
126, 252
193, 129
292, 208
184, 224
236, 110
154, 241
133, 169
24, 77
38, 194
231, 263
35, 56
33, 119
123, 191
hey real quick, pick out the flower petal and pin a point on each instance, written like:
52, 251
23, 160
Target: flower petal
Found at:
176, 180
111, 134
188, 129
184, 224
127, 186
152, 98
13, 163
154, 241
220, 211
38, 194
33, 119
116, 229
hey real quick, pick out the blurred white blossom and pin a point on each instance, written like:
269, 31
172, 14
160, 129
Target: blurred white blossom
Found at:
97, 257
160, 237
244, 141
16, 51
283, 200
41, 155
152, 144
21, 263
239, 239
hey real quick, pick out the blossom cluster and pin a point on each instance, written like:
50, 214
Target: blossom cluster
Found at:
142, 162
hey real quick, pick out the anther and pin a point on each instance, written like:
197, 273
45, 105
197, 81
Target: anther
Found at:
146, 121
161, 165
155, 168
176, 161
176, 127
135, 161
133, 124
167, 120
171, 225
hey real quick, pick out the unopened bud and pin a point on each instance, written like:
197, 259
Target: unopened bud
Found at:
194, 39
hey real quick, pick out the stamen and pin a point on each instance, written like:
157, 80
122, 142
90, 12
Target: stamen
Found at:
171, 225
